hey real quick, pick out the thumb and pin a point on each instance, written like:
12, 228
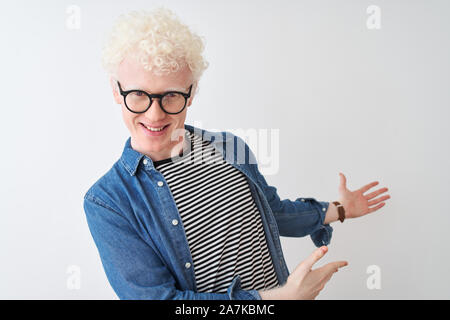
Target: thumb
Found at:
343, 181
306, 265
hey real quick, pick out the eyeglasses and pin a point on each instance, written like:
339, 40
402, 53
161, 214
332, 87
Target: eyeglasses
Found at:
139, 101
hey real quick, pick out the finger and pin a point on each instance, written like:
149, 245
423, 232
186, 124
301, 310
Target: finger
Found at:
375, 193
375, 201
368, 186
343, 180
335, 266
329, 269
307, 264
340, 264
376, 208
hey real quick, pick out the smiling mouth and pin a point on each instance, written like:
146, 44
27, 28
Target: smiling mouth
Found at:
154, 129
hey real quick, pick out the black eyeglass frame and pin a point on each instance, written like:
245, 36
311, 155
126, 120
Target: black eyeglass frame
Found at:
158, 96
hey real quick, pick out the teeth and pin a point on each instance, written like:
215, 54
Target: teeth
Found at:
154, 129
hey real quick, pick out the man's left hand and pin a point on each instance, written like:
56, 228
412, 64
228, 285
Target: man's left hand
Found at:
355, 203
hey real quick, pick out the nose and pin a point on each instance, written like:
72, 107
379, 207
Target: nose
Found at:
155, 111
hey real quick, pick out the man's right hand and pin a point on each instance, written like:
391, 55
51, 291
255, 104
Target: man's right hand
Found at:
304, 283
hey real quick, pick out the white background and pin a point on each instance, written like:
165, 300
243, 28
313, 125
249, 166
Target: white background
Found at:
373, 104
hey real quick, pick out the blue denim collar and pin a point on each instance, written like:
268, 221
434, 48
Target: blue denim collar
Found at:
131, 158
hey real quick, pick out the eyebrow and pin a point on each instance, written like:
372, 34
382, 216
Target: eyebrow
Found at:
134, 87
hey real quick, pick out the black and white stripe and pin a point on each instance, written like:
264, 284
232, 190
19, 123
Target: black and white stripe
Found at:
221, 220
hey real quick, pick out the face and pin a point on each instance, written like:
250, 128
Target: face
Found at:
170, 141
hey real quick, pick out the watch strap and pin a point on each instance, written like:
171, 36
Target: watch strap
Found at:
341, 210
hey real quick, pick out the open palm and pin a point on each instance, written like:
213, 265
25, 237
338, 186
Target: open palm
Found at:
356, 203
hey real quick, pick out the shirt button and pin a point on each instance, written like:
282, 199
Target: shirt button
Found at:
323, 209
303, 200
145, 161
160, 183
174, 222
187, 265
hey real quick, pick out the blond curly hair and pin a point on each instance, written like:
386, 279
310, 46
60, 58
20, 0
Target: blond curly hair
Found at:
158, 39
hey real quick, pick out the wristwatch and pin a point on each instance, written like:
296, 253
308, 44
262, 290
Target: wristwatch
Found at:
341, 210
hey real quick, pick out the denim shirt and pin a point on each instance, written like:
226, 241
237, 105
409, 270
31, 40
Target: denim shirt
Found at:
137, 228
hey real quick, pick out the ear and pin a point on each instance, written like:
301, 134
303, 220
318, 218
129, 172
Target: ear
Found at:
115, 90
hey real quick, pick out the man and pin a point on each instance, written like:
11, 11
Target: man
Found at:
185, 213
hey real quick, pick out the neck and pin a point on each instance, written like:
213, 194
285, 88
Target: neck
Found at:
174, 150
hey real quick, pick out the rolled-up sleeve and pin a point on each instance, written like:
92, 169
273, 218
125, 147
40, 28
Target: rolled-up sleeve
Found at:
133, 268
235, 292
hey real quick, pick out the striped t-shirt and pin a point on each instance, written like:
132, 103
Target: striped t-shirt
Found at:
220, 218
